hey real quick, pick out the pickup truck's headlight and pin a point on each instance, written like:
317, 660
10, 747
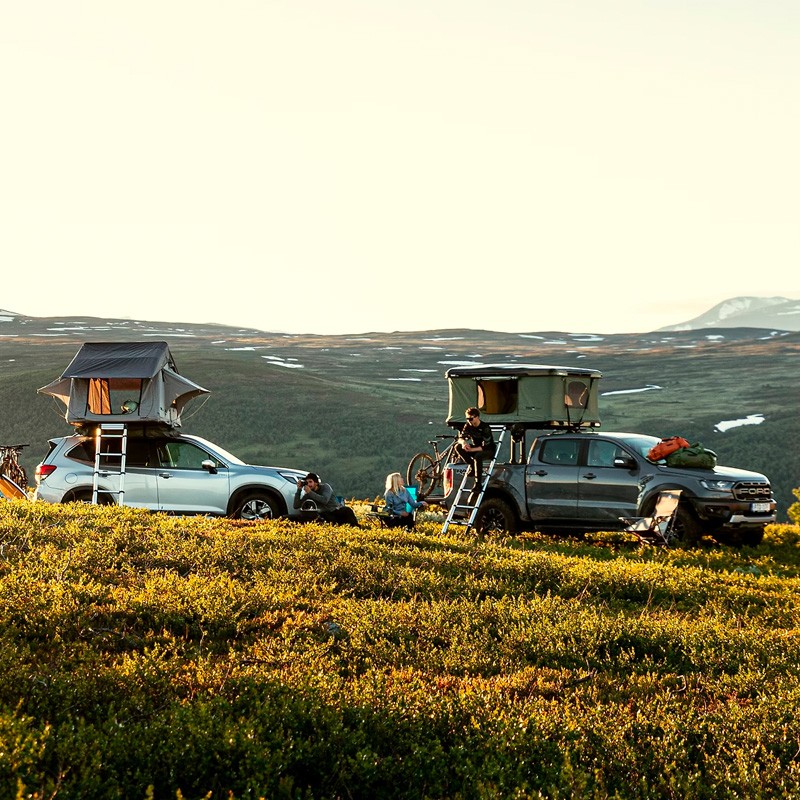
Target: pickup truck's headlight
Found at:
717, 486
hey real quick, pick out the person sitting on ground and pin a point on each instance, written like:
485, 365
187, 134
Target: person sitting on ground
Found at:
328, 508
396, 497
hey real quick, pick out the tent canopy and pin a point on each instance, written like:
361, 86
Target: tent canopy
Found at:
123, 382
528, 395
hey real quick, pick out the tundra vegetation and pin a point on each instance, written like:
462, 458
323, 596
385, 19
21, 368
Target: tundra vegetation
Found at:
143, 655
354, 409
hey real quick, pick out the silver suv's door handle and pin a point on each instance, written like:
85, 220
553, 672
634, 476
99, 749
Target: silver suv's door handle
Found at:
540, 472
165, 475
590, 476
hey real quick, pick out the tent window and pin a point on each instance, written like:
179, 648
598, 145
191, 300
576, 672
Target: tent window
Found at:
114, 395
577, 394
497, 397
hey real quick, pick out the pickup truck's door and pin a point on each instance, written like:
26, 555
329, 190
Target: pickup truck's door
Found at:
606, 492
551, 480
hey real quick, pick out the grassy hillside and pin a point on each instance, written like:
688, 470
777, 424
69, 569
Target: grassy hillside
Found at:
355, 408
142, 655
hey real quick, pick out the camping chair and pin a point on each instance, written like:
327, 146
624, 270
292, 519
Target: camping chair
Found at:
378, 511
655, 529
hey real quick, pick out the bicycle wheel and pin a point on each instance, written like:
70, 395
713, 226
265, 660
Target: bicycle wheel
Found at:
15, 472
423, 474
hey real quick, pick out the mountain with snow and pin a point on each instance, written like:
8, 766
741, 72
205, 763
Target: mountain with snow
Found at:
772, 313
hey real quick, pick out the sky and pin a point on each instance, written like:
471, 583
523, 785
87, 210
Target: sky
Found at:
344, 166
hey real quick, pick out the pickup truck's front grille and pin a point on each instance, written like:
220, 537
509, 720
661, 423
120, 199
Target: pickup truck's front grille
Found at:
752, 490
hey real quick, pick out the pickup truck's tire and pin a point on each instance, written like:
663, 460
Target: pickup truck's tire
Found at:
745, 537
496, 515
685, 530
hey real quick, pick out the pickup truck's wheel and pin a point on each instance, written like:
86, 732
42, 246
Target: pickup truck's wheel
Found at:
421, 473
685, 530
256, 506
745, 537
496, 515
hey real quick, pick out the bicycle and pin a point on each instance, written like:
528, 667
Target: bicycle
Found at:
425, 471
10, 466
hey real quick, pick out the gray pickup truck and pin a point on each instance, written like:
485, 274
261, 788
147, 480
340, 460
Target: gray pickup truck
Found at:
587, 480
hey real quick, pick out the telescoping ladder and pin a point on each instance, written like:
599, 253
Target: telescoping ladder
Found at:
465, 513
110, 456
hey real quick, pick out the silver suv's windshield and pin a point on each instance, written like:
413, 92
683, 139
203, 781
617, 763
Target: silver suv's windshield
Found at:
227, 457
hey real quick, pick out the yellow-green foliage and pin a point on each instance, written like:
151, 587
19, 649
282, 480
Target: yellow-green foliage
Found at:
794, 508
146, 655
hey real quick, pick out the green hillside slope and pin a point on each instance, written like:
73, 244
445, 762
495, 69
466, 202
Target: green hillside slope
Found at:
355, 408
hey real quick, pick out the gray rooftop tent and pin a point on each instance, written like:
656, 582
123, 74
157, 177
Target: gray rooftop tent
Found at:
526, 395
130, 382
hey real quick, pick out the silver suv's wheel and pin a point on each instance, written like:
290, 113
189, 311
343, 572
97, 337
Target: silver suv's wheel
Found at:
256, 506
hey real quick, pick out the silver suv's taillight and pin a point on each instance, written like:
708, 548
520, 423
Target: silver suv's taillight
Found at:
42, 471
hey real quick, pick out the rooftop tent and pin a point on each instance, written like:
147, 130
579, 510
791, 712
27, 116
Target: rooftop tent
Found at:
530, 395
123, 382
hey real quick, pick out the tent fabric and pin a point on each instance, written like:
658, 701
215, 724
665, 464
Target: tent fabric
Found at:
531, 395
119, 360
126, 382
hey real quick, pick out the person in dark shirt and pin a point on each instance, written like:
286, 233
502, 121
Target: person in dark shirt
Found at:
475, 442
328, 508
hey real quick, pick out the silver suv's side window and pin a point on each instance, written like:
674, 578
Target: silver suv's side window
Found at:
182, 455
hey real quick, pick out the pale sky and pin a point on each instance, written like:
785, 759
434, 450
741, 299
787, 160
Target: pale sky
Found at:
343, 166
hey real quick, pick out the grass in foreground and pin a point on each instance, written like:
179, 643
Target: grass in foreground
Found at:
146, 655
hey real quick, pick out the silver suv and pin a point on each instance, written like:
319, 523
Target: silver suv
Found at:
178, 474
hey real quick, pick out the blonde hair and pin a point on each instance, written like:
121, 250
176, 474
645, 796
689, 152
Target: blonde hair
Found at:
394, 482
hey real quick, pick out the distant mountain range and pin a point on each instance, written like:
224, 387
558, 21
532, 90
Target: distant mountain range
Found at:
772, 313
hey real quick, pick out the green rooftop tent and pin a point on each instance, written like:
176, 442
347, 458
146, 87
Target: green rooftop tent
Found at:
130, 382
526, 395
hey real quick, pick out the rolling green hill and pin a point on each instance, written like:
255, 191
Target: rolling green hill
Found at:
355, 408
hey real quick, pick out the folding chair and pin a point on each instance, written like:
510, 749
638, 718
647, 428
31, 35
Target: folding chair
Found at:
656, 529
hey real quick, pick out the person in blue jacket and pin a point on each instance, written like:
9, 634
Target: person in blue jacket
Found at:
396, 497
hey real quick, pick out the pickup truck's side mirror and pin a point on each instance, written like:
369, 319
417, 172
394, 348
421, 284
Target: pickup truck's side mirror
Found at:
209, 465
625, 462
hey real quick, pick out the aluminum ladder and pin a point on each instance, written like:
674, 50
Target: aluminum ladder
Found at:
465, 514
112, 460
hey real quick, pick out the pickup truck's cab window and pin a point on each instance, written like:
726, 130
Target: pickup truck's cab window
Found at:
602, 453
563, 452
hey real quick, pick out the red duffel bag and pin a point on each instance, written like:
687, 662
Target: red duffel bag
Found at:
665, 447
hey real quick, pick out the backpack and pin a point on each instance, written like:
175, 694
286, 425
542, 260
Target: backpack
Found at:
665, 447
694, 455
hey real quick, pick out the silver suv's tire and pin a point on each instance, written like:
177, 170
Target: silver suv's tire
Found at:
256, 506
